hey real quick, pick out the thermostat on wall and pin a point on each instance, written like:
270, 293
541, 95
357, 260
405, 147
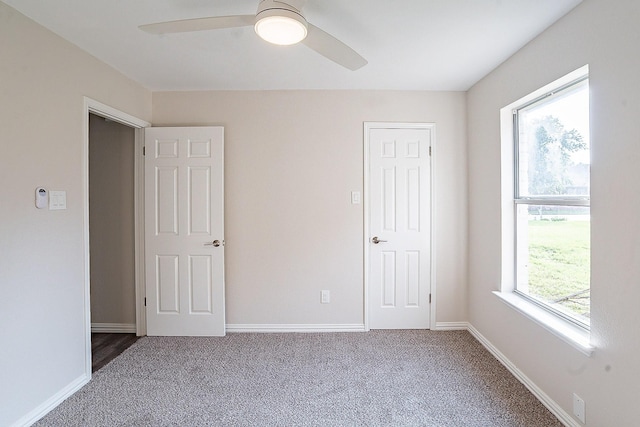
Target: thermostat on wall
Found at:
42, 198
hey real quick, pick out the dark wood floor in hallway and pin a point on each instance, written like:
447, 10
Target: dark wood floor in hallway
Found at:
105, 347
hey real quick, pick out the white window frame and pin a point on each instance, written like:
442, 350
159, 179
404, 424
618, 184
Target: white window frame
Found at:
518, 199
562, 326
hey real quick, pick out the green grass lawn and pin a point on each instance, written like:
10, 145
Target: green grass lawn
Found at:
559, 257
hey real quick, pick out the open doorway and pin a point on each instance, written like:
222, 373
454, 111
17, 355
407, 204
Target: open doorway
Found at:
111, 226
111, 238
97, 316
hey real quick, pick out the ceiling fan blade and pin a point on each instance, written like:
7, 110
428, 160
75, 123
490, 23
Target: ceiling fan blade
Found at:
199, 24
332, 48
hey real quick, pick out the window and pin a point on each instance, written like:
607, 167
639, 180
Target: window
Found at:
551, 200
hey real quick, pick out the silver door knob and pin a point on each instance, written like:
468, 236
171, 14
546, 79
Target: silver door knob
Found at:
376, 240
215, 243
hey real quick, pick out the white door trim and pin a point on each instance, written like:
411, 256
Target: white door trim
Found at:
93, 106
368, 126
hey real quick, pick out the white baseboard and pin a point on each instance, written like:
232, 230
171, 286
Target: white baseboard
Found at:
451, 326
294, 328
551, 405
114, 328
49, 404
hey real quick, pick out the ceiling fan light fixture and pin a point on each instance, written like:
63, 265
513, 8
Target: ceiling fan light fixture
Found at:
281, 26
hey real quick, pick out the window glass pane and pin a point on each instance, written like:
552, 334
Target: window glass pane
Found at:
553, 267
553, 145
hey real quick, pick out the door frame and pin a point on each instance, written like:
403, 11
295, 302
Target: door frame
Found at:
368, 126
103, 110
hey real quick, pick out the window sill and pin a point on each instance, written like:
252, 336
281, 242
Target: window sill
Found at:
569, 333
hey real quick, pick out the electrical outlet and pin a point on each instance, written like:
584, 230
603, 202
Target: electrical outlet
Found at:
325, 297
579, 408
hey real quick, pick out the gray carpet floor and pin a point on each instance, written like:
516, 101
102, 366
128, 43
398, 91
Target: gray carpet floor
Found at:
378, 378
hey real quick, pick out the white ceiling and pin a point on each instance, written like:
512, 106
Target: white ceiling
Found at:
410, 44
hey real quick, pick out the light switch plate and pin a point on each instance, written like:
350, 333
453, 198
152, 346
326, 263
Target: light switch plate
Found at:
325, 297
57, 200
355, 197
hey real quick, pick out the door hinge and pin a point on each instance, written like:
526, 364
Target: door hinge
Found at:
429, 150
145, 300
429, 298
144, 150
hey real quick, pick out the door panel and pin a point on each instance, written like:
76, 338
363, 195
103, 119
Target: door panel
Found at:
166, 206
167, 284
184, 214
200, 283
399, 217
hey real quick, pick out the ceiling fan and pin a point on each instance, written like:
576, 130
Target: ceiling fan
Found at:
277, 22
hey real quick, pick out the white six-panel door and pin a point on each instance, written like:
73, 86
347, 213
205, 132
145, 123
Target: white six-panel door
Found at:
184, 231
399, 240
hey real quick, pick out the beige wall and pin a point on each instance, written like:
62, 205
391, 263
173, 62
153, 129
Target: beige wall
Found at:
605, 35
292, 159
111, 221
42, 308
